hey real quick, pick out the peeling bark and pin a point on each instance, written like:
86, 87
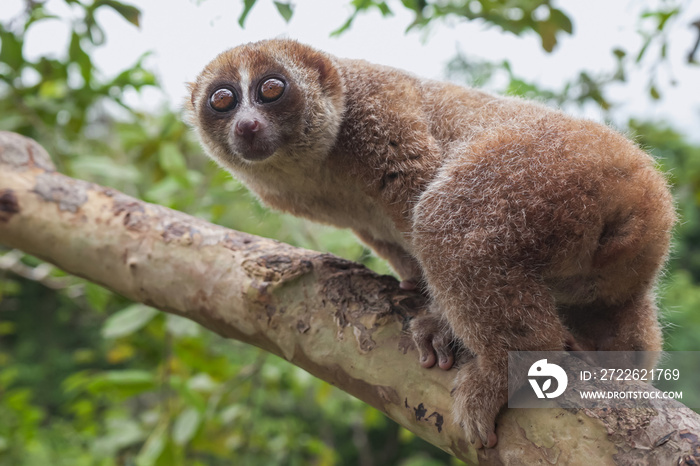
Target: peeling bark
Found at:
334, 318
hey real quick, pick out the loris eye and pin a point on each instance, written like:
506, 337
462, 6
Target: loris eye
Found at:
271, 90
223, 100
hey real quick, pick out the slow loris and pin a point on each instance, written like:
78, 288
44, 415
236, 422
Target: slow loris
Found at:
530, 230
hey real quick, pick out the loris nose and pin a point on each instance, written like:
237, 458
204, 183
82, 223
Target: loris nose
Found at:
247, 127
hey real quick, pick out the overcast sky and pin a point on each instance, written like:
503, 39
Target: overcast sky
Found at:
186, 34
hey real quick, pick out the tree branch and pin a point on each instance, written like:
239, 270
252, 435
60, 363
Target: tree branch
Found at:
334, 318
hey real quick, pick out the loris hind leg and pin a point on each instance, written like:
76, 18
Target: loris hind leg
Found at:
492, 302
632, 325
494, 312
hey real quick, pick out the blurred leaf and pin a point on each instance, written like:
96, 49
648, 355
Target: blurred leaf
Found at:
548, 33
619, 53
128, 12
202, 383
384, 8
362, 6
97, 296
186, 426
11, 49
560, 19
120, 353
55, 89
643, 49
171, 159
135, 77
154, 446
344, 27
247, 6
91, 166
231, 414
11, 122
77, 55
654, 92
181, 327
285, 9
661, 16
164, 192
128, 320
121, 433
122, 382
95, 33
38, 14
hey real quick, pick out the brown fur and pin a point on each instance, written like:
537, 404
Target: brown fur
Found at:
530, 229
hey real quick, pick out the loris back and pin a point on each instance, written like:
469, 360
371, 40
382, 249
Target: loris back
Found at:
529, 229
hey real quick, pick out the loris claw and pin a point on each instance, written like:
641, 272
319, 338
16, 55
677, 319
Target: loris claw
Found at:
530, 229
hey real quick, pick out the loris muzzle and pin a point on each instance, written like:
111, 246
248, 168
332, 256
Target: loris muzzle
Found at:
529, 229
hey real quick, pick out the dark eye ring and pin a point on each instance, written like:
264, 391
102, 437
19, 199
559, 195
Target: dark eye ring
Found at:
223, 100
271, 89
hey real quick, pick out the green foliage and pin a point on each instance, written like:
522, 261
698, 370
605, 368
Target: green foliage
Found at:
582, 90
87, 377
56, 100
517, 17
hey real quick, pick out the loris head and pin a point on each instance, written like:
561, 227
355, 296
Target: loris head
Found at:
269, 102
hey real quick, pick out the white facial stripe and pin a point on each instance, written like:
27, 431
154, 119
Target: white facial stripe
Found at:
245, 84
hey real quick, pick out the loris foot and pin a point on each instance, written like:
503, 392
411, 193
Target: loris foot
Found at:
478, 397
435, 342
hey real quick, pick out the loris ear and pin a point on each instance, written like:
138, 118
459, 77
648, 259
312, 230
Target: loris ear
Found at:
328, 75
188, 106
191, 88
